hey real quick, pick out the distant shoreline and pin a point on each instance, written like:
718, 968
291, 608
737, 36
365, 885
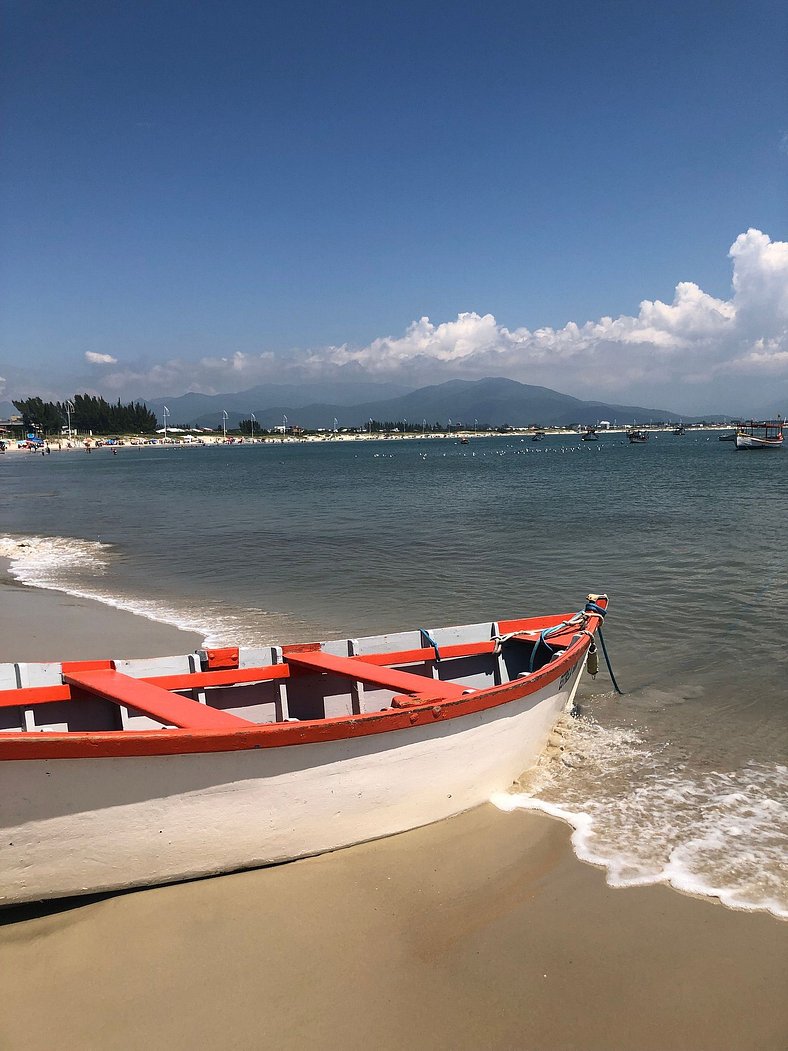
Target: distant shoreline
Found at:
149, 442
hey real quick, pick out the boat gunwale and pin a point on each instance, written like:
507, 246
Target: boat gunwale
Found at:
45, 745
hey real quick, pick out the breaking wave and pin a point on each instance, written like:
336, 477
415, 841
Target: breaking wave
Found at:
647, 820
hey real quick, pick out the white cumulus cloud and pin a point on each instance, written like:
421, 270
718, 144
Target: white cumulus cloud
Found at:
695, 354
93, 358
664, 350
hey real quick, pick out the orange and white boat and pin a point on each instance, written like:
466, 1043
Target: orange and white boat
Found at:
129, 773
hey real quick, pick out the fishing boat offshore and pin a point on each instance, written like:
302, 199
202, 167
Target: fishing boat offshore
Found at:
765, 434
637, 436
128, 773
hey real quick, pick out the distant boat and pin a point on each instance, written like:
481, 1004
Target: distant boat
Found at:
538, 436
130, 773
727, 437
680, 429
765, 434
590, 436
637, 436
464, 441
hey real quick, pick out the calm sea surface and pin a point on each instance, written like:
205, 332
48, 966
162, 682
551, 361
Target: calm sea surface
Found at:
683, 780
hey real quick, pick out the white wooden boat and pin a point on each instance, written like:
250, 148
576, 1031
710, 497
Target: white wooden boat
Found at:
127, 773
767, 434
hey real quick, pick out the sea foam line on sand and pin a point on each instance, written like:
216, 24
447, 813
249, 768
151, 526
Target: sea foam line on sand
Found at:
65, 564
716, 835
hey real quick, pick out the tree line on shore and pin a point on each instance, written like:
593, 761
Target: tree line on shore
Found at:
88, 413
252, 427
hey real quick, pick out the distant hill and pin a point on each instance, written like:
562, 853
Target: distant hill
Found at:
7, 408
190, 408
493, 402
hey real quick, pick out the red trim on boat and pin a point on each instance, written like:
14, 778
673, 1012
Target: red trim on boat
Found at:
27, 695
274, 735
419, 710
229, 677
69, 666
225, 657
468, 649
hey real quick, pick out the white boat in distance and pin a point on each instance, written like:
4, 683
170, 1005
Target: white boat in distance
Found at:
767, 434
130, 773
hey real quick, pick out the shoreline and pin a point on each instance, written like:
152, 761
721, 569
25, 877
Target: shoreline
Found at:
46, 624
80, 622
208, 440
515, 942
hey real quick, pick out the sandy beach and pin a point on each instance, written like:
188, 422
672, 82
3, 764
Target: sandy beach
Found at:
480, 932
181, 441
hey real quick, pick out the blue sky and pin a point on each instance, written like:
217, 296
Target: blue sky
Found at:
189, 183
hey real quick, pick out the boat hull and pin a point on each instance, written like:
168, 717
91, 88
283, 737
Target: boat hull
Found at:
87, 825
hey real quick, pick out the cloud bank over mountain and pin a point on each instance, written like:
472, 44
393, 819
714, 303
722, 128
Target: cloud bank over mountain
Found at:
695, 354
686, 350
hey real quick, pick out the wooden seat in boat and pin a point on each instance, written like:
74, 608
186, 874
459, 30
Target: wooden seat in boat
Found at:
166, 707
374, 675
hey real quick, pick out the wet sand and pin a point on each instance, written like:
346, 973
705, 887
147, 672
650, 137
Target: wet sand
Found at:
41, 625
480, 932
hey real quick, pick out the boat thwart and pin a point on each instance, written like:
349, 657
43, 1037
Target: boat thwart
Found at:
129, 773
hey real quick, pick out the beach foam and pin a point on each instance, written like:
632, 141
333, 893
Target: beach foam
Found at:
78, 567
647, 820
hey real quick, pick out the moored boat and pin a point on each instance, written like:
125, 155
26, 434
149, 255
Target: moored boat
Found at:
637, 436
590, 436
765, 434
129, 773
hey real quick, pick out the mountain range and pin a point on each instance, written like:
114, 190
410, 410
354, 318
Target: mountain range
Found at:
492, 402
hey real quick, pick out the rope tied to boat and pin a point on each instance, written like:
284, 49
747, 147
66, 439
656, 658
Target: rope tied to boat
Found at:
426, 635
616, 687
581, 618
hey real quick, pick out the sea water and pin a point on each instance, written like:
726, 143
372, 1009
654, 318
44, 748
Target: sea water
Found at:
682, 780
